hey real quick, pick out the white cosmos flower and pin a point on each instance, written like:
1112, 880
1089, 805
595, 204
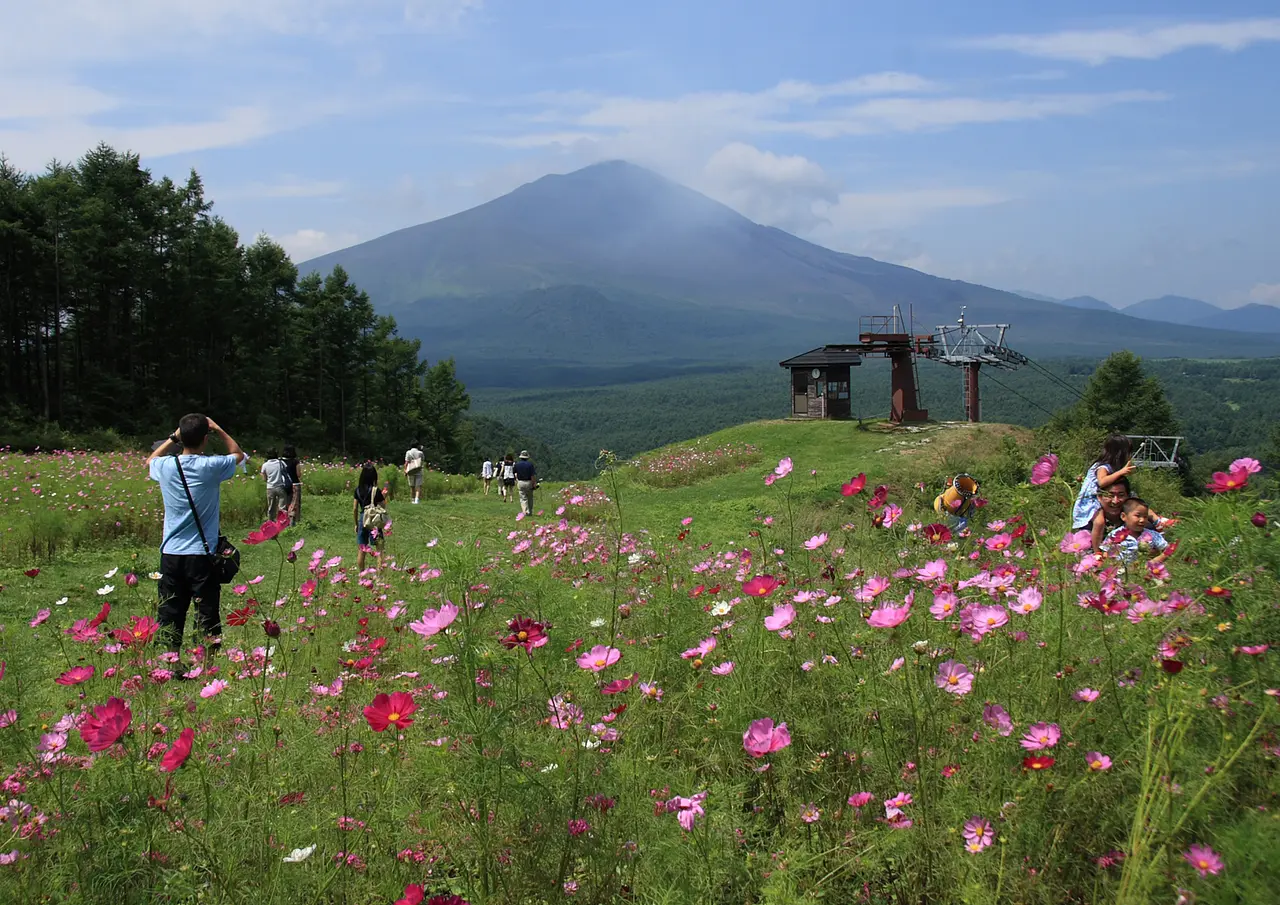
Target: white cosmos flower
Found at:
299, 854
105, 590
597, 623
721, 609
112, 573
60, 602
154, 576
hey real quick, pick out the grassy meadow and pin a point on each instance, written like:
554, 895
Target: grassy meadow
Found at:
588, 705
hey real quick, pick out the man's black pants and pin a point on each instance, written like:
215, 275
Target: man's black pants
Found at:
184, 580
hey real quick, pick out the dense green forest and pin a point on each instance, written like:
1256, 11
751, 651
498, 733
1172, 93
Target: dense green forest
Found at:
125, 302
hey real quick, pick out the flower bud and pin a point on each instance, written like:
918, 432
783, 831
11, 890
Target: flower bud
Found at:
1259, 520
271, 628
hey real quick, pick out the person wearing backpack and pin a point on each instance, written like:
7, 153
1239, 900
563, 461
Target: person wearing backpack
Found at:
370, 513
279, 488
413, 463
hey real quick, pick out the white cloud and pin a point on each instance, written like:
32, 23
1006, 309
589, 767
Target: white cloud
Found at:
304, 244
294, 188
1099, 46
769, 188
893, 210
1265, 293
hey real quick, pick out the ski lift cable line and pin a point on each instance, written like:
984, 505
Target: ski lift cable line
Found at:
1055, 378
1019, 395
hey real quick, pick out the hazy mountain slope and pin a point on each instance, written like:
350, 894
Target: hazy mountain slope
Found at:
1173, 309
1088, 302
636, 268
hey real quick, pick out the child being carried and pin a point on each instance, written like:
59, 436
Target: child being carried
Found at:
1134, 536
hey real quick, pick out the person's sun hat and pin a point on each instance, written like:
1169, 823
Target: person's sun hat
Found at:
524, 453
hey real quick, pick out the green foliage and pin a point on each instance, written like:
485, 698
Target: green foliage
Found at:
1119, 397
126, 303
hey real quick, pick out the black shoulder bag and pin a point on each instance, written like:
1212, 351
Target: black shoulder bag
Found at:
226, 559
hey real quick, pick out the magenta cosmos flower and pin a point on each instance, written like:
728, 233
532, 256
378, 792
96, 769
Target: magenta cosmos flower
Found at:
1097, 761
762, 737
1040, 736
687, 810
1203, 859
108, 722
954, 678
889, 616
1044, 469
783, 615
760, 586
977, 834
599, 657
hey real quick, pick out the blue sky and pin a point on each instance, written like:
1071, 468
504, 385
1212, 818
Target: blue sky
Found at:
1122, 153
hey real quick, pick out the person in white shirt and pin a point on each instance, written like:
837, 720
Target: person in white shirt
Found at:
486, 474
277, 495
413, 462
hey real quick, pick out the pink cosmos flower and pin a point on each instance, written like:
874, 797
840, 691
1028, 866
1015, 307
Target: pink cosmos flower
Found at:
784, 467
998, 542
936, 570
1029, 600
997, 718
41, 616
810, 813
1203, 859
892, 513
1086, 695
1041, 736
889, 616
1247, 465
704, 647
954, 678
107, 724
1044, 469
816, 541
977, 834
893, 806
875, 586
1254, 650
861, 799
618, 686
1223, 482
8, 718
1097, 761
722, 669
687, 810
944, 604
213, 688
564, 715
599, 657
762, 737
988, 619
1077, 542
75, 675
783, 615
435, 621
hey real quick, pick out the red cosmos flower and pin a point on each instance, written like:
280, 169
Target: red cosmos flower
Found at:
268, 531
271, 628
878, 496
390, 710
698, 591
31, 573
1223, 482
412, 895
525, 633
101, 617
1172, 667
760, 586
618, 686
936, 533
241, 616
1219, 591
75, 675
142, 629
108, 722
1038, 762
854, 487
178, 752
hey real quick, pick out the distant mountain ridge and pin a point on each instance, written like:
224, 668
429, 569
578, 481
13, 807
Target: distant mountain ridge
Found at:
613, 265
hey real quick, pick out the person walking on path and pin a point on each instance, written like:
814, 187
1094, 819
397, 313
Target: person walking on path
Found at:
276, 473
413, 462
369, 514
508, 482
526, 481
486, 474
190, 483
293, 469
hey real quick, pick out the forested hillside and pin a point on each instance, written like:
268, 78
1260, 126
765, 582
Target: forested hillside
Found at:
1225, 408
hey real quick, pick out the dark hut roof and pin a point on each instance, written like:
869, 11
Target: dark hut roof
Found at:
824, 355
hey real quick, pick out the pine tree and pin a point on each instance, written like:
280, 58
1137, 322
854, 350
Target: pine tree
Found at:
1120, 397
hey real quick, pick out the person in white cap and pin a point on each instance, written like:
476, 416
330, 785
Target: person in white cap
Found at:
526, 482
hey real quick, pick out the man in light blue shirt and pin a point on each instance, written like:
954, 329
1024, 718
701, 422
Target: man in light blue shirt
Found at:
186, 564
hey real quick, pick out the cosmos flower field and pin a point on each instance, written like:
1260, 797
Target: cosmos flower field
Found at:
823, 695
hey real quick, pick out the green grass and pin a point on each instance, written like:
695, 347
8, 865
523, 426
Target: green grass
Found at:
487, 810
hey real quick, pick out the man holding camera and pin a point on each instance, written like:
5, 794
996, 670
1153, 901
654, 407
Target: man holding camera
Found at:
190, 483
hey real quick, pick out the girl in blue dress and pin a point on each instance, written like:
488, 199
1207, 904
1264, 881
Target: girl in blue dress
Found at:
1110, 466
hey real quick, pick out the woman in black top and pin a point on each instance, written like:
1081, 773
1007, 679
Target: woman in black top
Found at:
293, 468
367, 493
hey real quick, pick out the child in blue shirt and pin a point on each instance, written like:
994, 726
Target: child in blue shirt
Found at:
1133, 536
